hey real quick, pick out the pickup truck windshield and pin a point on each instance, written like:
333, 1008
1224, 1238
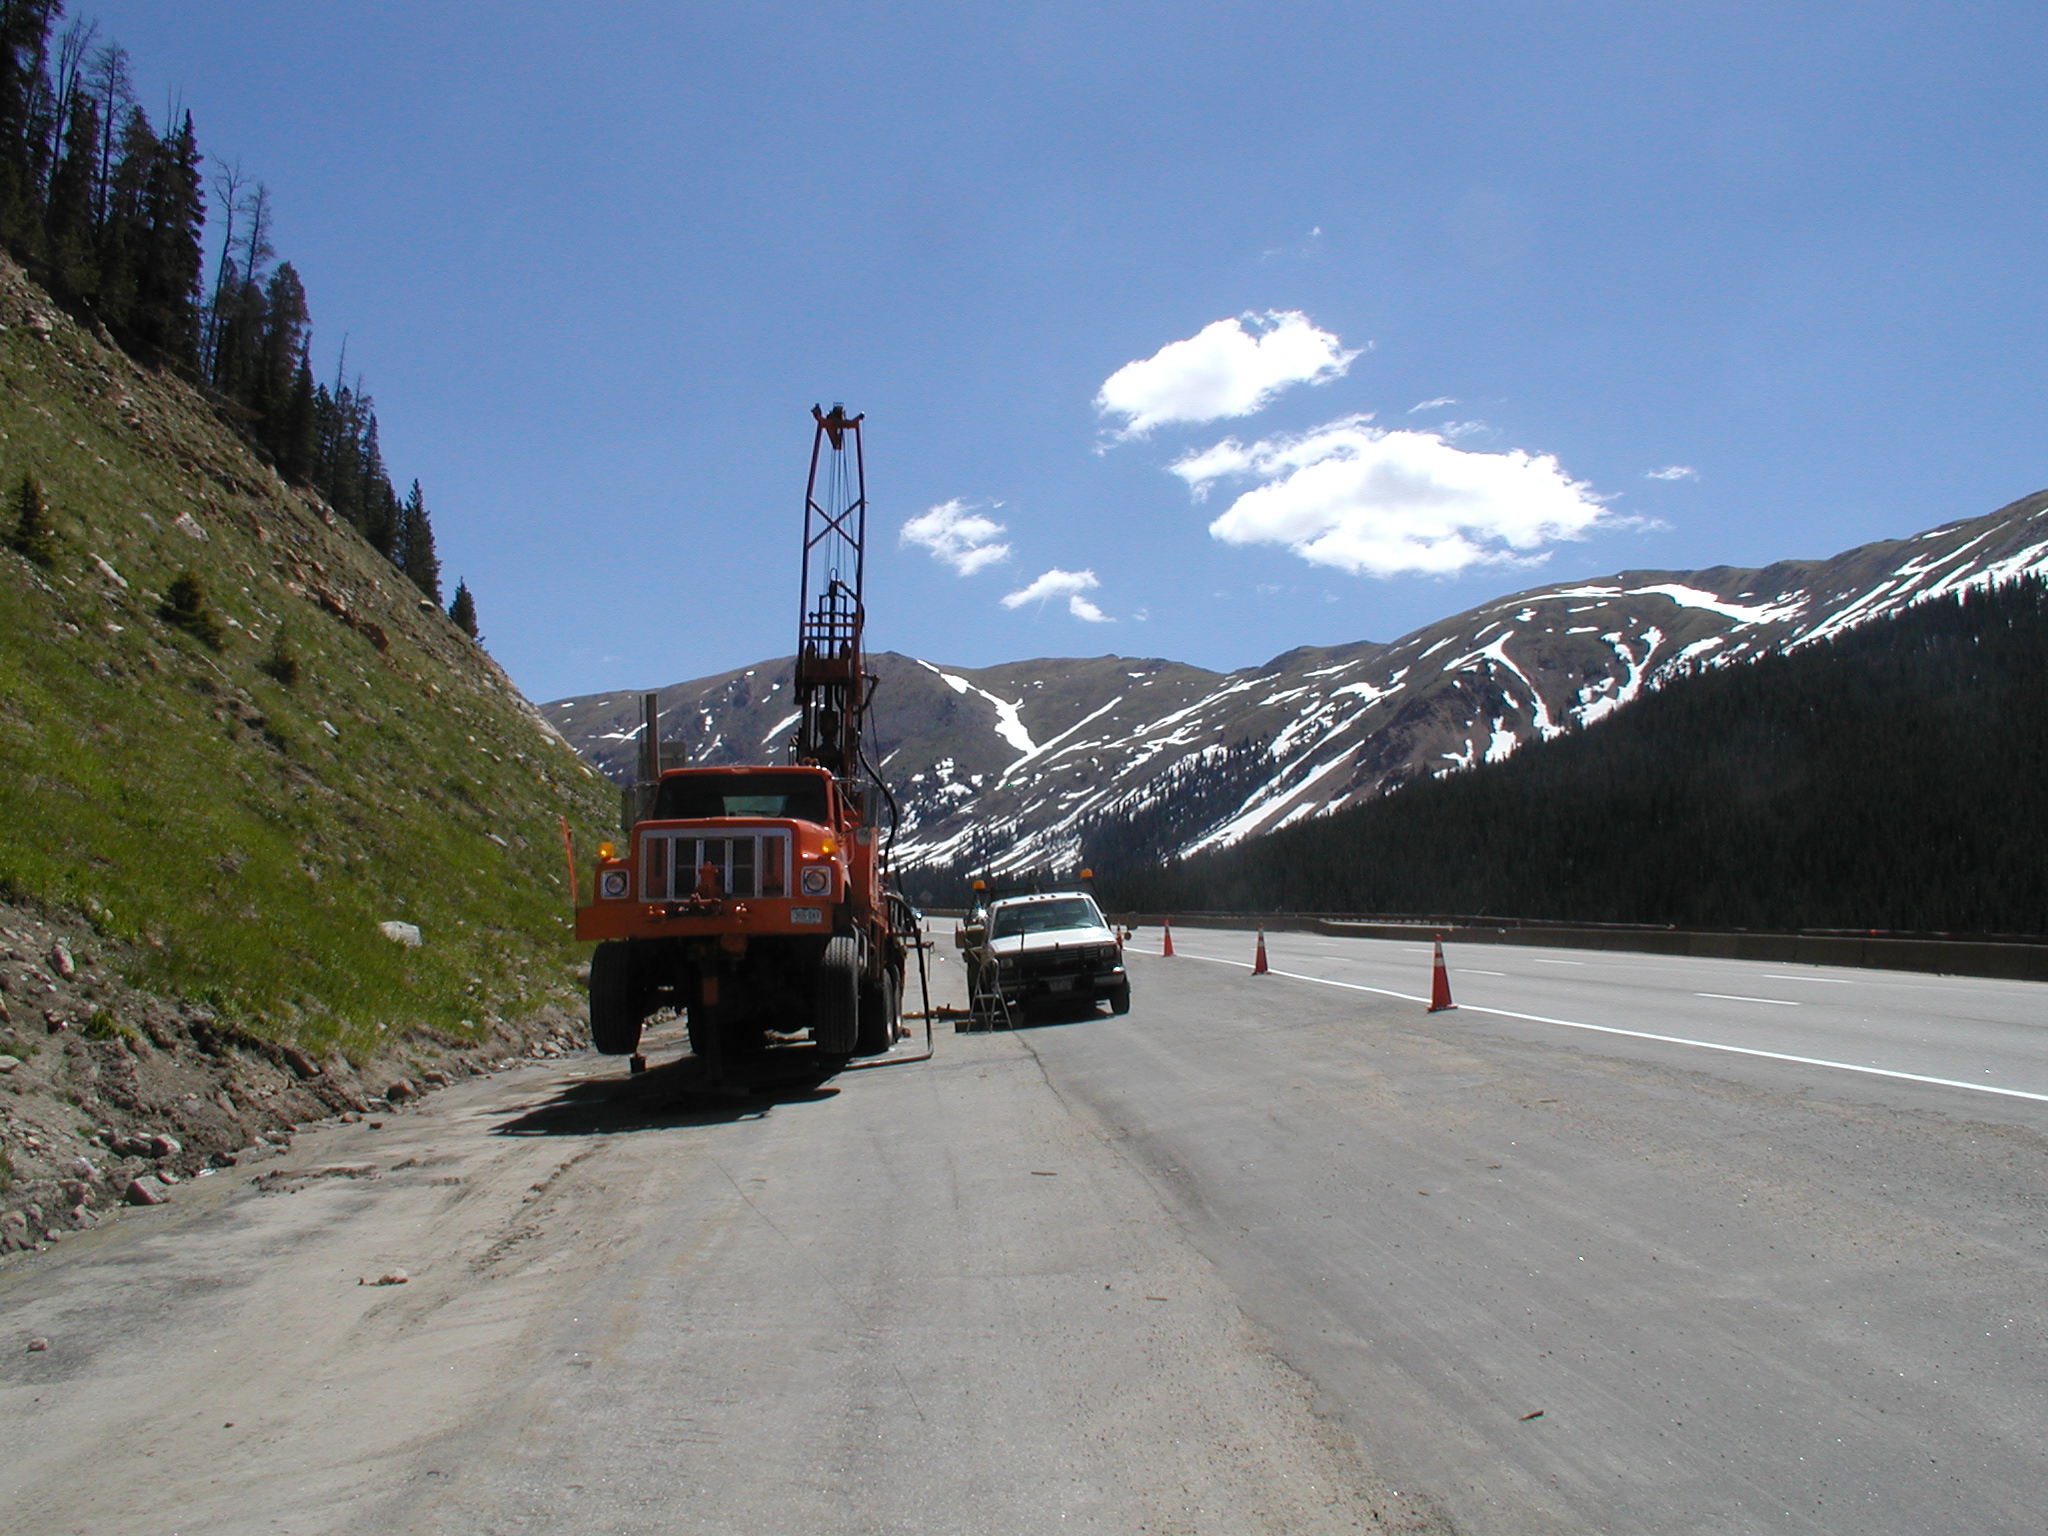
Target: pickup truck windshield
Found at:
1044, 917
797, 796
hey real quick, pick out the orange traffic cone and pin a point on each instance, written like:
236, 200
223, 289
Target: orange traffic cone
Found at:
1259, 960
1440, 983
1166, 942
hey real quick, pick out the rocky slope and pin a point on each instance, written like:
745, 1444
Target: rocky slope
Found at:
1019, 766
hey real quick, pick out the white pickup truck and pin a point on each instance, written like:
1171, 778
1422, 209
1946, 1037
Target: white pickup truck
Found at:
1044, 950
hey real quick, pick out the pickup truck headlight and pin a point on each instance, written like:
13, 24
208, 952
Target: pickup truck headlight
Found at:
614, 884
815, 882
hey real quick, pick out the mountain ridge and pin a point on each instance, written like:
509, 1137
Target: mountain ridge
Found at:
1014, 766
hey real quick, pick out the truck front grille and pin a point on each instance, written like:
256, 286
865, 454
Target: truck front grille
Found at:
676, 865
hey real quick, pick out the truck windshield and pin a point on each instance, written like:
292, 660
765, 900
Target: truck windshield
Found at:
1045, 917
794, 796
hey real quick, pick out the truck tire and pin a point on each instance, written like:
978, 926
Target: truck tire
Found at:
617, 1004
1120, 999
878, 1012
835, 1004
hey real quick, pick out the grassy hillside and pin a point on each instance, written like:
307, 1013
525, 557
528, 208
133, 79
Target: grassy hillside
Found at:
249, 828
1887, 779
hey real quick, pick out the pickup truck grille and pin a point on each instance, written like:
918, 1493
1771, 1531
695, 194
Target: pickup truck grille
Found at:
676, 865
1061, 962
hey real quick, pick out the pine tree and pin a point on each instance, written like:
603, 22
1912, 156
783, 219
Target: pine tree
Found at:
418, 558
184, 606
239, 315
463, 610
278, 353
68, 219
24, 144
124, 224
283, 661
33, 538
113, 93
166, 319
297, 442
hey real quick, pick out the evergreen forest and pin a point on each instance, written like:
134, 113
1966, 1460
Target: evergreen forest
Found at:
107, 211
1890, 778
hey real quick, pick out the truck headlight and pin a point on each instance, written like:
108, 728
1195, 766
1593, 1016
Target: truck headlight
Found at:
613, 884
815, 882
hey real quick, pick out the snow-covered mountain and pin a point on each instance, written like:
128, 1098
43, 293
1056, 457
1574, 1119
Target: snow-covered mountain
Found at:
1018, 766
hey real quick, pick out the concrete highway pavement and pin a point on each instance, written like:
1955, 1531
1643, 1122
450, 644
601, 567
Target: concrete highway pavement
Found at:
1979, 1033
1570, 1281
1265, 1254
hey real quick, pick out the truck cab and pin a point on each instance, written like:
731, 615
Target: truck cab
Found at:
745, 898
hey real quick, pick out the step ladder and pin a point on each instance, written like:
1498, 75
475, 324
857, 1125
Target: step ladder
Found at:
987, 1008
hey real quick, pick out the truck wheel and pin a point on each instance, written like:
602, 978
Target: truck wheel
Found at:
878, 1010
701, 1021
617, 1004
835, 1005
1120, 999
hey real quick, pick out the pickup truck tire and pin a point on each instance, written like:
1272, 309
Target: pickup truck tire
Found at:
878, 1011
1120, 999
617, 1003
835, 1004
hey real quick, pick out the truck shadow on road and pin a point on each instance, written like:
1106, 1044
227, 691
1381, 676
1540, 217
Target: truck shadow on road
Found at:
674, 1093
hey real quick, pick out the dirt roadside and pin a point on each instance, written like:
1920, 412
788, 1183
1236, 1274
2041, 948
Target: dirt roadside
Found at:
112, 1096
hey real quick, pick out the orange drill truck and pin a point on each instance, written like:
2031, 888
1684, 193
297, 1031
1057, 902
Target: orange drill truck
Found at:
756, 899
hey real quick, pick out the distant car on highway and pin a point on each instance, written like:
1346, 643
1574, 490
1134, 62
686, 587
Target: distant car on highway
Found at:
1042, 950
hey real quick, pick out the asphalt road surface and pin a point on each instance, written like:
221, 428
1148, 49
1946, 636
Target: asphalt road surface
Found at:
1274, 1253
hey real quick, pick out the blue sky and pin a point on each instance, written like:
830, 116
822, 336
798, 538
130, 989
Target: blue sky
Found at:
597, 263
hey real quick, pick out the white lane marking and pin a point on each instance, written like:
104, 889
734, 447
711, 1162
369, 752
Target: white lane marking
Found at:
1826, 981
1732, 997
1467, 971
1541, 961
1639, 1034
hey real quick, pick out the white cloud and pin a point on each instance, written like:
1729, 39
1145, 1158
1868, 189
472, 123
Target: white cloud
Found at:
1379, 502
957, 535
1058, 583
1673, 472
1230, 368
1431, 404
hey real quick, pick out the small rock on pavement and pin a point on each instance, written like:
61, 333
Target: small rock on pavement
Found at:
437, 1077
389, 1277
145, 1191
407, 934
8, 1064
399, 1091
165, 1146
37, 1346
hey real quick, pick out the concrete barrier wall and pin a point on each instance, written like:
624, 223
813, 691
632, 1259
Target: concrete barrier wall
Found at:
1939, 956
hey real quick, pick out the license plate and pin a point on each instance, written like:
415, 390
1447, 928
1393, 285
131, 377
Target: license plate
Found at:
1059, 984
806, 915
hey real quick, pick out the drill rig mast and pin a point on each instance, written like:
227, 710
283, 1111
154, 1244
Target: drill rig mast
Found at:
831, 682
